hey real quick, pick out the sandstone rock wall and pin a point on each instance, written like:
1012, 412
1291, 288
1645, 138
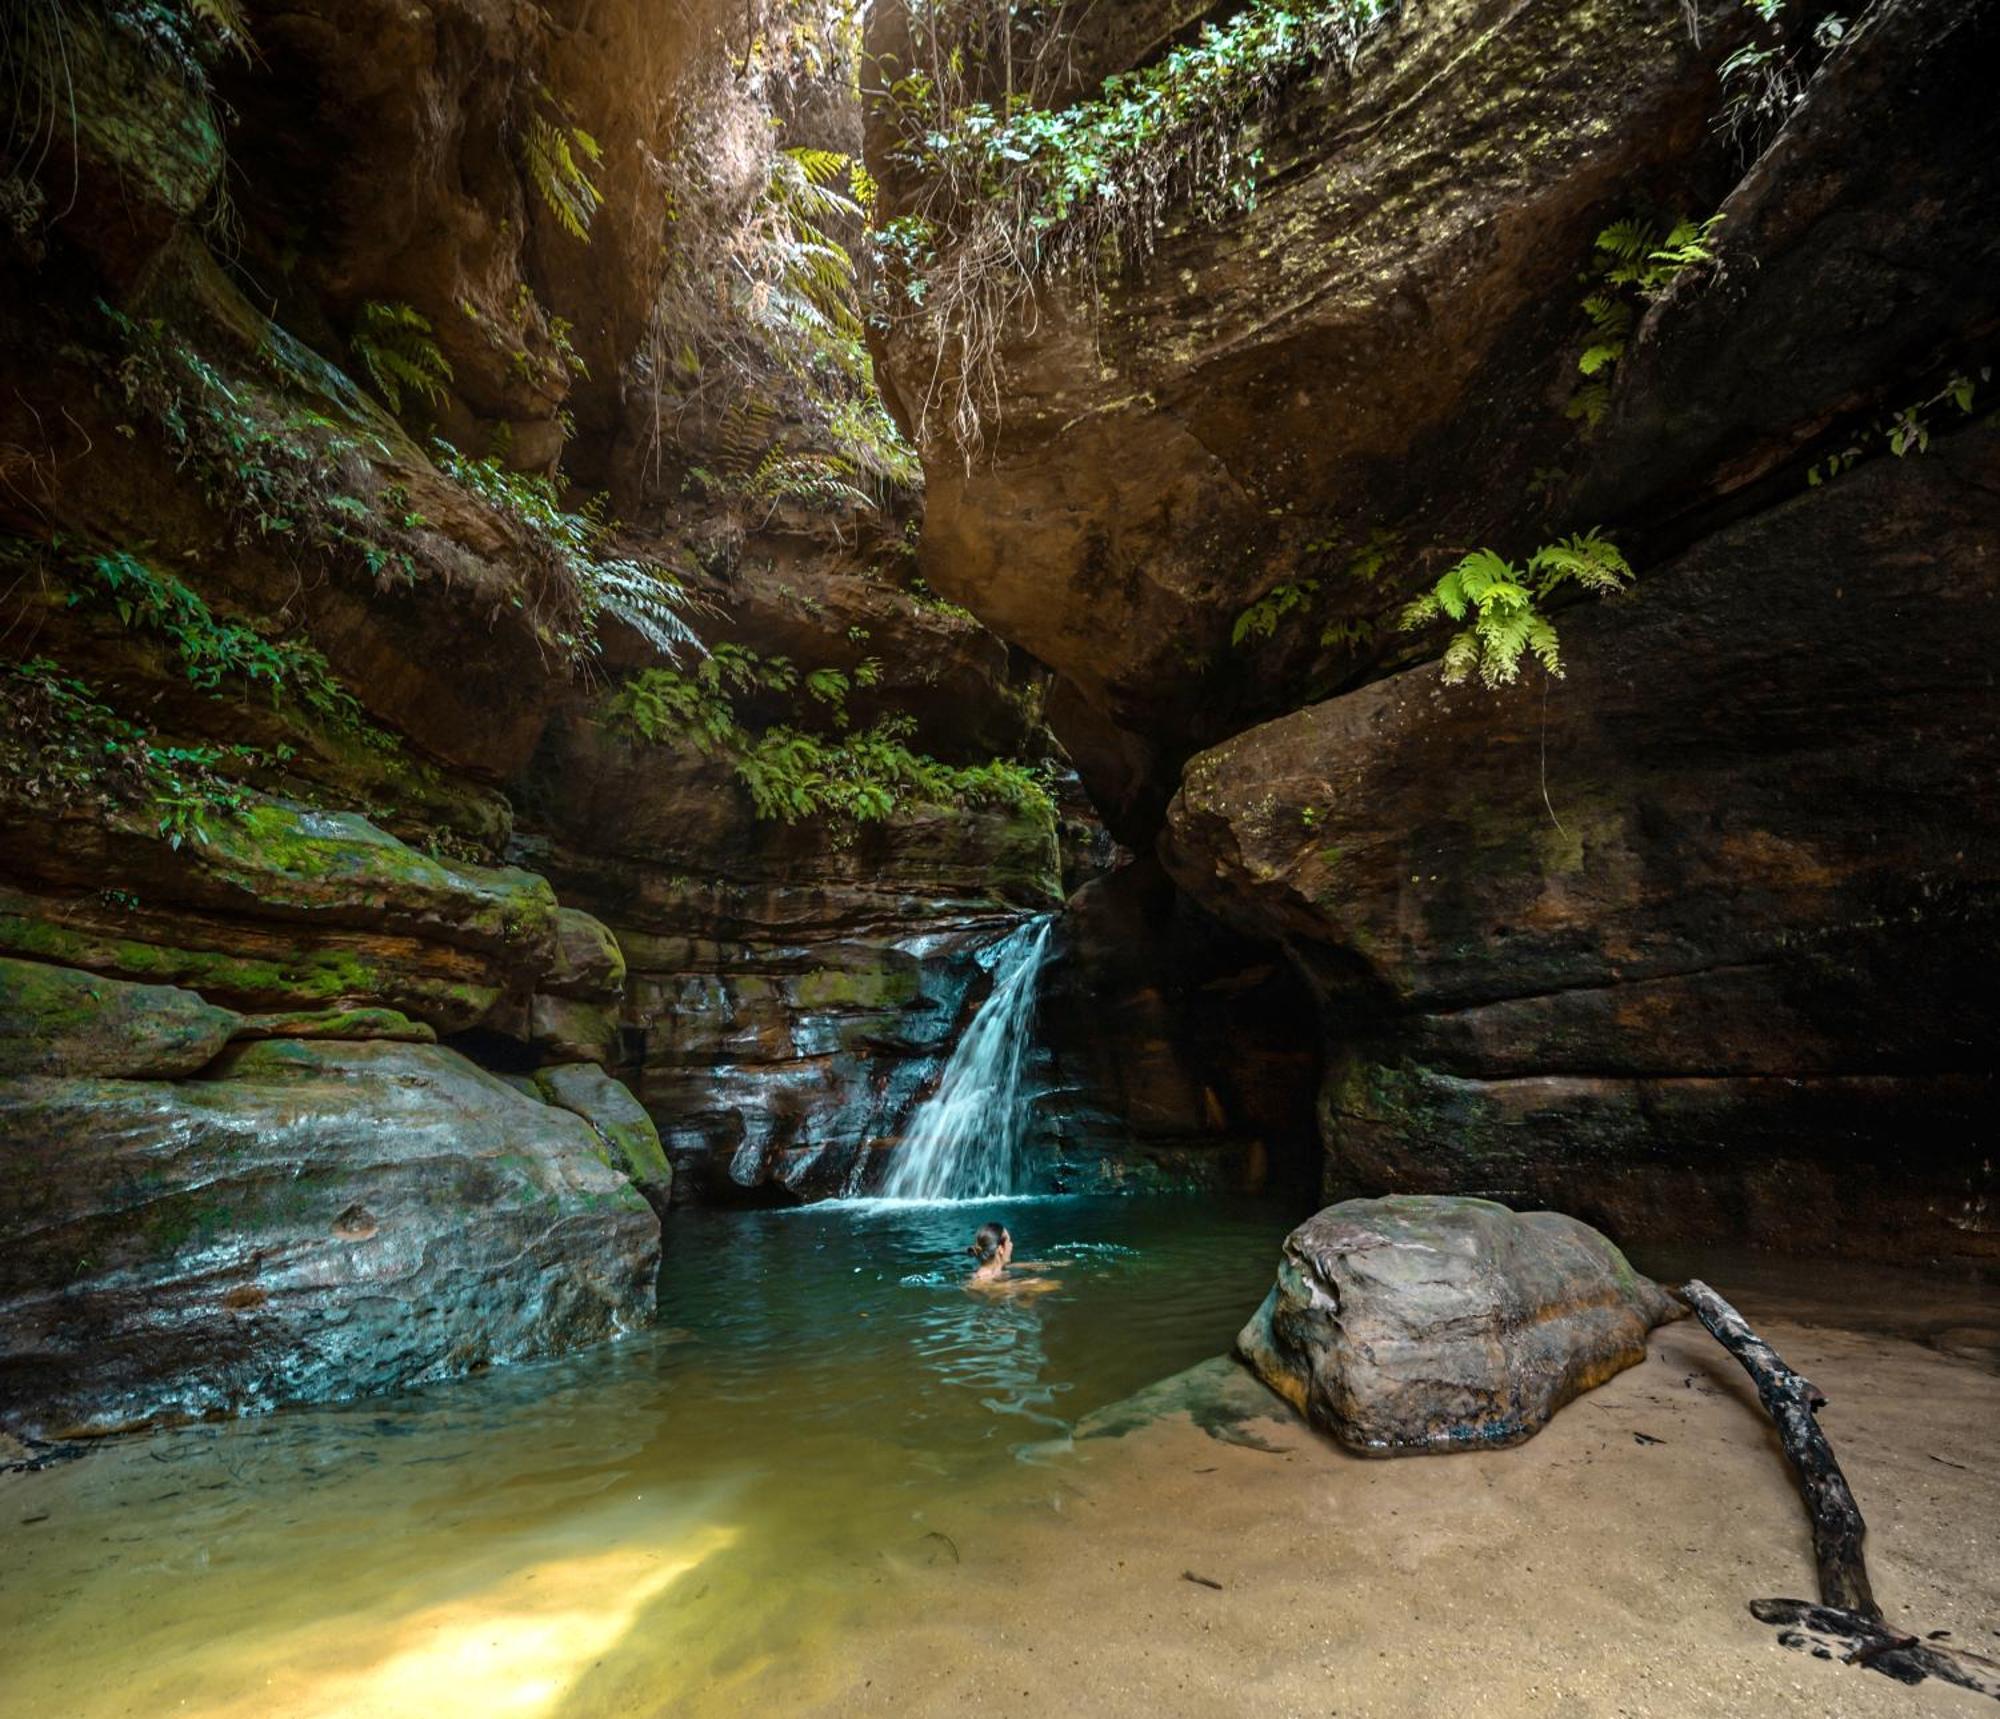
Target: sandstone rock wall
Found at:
368, 992
1695, 941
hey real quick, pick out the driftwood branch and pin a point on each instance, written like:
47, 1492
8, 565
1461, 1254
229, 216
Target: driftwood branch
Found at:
1848, 1625
1792, 1402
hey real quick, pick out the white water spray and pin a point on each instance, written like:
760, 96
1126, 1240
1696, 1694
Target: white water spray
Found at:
969, 1139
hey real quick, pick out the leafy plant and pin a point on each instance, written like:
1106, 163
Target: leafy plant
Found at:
1260, 620
579, 579
1903, 432
60, 744
1502, 604
559, 156
785, 375
793, 774
1633, 263
397, 349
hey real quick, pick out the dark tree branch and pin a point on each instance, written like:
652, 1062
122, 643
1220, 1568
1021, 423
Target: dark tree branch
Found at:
1791, 1401
1848, 1625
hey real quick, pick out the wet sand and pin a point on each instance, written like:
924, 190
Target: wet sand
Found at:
1584, 1573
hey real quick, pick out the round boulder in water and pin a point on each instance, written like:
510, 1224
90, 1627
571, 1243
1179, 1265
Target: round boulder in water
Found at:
1431, 1323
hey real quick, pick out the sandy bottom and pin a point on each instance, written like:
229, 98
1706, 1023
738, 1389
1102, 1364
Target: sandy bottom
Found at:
1587, 1572
879, 1505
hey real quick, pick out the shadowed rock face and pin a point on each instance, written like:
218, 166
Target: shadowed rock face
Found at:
1374, 347
1730, 975
253, 1237
1694, 945
1413, 1325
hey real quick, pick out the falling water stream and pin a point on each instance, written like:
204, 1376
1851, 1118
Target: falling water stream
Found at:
969, 1140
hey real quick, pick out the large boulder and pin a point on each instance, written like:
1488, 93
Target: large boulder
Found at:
308, 1221
1402, 1326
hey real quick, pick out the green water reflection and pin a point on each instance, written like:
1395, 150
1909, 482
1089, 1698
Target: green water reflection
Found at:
822, 1414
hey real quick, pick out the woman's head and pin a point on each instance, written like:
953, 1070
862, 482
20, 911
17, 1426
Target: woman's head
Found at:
991, 1242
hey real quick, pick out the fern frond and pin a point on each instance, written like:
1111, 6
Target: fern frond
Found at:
648, 599
1472, 580
1591, 559
820, 166
1461, 654
227, 19
1542, 641
1590, 403
1609, 317
552, 149
394, 346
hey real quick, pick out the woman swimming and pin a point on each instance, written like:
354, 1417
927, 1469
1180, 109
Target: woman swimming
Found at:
993, 1248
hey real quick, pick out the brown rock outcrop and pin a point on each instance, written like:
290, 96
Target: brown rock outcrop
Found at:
1695, 944
1374, 348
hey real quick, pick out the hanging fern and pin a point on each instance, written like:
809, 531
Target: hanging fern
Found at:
394, 346
1635, 262
809, 478
559, 159
1500, 601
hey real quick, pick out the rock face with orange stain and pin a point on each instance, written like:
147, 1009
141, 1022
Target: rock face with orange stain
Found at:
301, 1221
1426, 1324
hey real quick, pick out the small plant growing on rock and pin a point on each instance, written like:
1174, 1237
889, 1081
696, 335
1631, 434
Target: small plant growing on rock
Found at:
559, 156
1634, 262
1501, 604
395, 346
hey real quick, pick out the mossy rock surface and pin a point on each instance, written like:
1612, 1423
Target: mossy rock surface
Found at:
619, 1120
588, 963
61, 1021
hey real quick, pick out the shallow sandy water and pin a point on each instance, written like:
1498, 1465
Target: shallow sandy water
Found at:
1584, 1573
845, 1487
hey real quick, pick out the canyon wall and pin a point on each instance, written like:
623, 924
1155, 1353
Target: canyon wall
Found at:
391, 929
1695, 941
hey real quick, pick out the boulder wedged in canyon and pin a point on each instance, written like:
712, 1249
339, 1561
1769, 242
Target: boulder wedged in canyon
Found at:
1696, 942
1426, 1324
254, 1236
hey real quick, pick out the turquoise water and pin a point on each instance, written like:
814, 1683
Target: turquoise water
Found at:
822, 1414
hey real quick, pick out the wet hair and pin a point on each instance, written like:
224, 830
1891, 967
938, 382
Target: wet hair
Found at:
989, 1241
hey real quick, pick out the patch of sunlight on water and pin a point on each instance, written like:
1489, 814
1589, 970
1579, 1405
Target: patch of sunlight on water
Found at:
518, 1646
823, 1424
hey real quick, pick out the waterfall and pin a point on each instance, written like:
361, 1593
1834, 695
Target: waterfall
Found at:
969, 1138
